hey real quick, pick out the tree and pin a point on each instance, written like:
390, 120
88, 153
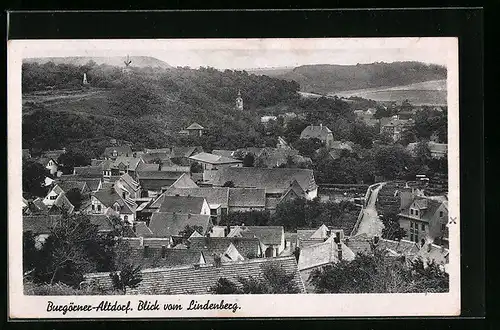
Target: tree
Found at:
274, 280
392, 162
307, 147
34, 175
71, 159
250, 218
392, 230
196, 168
248, 160
128, 277
30, 253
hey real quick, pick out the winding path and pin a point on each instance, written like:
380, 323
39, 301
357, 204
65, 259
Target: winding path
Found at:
370, 223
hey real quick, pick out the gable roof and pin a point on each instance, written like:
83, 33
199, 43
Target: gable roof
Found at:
211, 246
88, 171
182, 204
68, 185
130, 181
102, 222
319, 132
108, 197
120, 150
322, 253
213, 195
225, 153
155, 180
360, 244
39, 224
247, 197
428, 207
147, 167
402, 247
142, 230
231, 254
37, 206
131, 163
169, 224
199, 279
274, 180
171, 257
195, 126
54, 154
62, 203
184, 181
268, 235
181, 152
205, 157
45, 160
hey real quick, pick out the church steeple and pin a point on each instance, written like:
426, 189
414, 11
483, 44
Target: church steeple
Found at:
239, 101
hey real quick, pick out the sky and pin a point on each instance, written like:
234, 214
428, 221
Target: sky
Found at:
253, 53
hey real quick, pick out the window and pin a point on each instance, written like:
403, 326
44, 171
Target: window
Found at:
213, 211
411, 237
411, 211
52, 198
443, 227
125, 218
99, 207
440, 214
416, 212
411, 224
93, 207
416, 238
422, 226
163, 251
124, 195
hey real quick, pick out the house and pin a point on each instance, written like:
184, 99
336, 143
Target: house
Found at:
155, 252
126, 186
145, 167
184, 205
37, 207
306, 237
394, 126
141, 229
103, 223
319, 255
108, 200
180, 155
246, 247
121, 165
116, 151
56, 200
271, 238
195, 129
212, 163
337, 148
423, 218
156, 157
437, 150
54, 154
322, 133
40, 226
225, 153
199, 279
246, 199
95, 172
152, 182
275, 181
163, 224
434, 253
216, 197
94, 184
277, 157
49, 163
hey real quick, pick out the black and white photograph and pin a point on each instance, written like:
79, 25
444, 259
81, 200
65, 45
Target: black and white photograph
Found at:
180, 172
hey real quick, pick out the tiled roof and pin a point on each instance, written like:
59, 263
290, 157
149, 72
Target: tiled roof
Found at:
142, 230
214, 195
323, 253
155, 180
67, 185
38, 206
432, 252
92, 183
102, 221
180, 152
54, 154
130, 162
108, 197
39, 224
120, 150
171, 258
151, 157
431, 205
195, 126
360, 244
199, 279
247, 197
214, 159
246, 246
182, 204
88, 171
43, 160
268, 235
148, 167
274, 180
319, 132
225, 153
62, 202
169, 224
402, 247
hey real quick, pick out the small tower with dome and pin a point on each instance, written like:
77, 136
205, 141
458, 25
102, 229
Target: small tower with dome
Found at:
239, 101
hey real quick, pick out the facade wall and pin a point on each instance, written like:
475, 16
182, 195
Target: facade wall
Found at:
50, 198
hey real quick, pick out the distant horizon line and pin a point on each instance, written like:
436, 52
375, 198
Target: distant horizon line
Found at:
236, 68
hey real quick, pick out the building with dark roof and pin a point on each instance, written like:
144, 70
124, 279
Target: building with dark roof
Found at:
246, 199
275, 181
199, 279
195, 129
247, 247
322, 133
108, 199
116, 151
172, 224
184, 205
152, 182
424, 219
211, 163
271, 238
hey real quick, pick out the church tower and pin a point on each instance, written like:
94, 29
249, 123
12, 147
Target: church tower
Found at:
239, 101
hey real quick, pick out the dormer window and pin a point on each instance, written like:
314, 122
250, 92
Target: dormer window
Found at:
440, 214
115, 153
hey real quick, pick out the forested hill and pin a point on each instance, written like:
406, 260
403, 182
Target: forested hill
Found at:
145, 106
136, 61
325, 78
